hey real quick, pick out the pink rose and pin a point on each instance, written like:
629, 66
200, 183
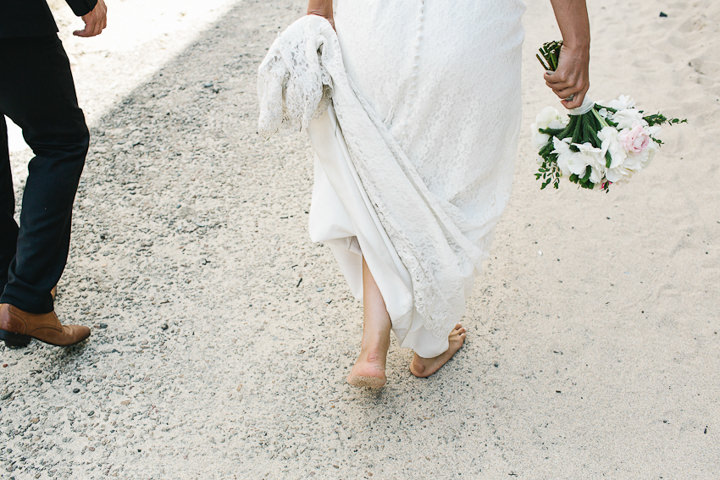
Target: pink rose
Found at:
636, 140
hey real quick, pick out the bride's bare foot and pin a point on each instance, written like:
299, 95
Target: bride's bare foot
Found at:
424, 367
368, 371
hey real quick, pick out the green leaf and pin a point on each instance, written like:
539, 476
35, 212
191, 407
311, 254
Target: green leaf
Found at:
588, 172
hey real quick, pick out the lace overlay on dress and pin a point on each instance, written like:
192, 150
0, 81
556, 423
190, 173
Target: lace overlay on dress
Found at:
293, 87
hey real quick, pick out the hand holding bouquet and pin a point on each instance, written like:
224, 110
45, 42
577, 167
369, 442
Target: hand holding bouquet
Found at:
597, 145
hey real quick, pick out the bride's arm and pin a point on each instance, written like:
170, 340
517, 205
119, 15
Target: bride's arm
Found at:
323, 8
572, 76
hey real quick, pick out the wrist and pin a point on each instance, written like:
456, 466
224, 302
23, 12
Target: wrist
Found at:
581, 54
578, 45
319, 13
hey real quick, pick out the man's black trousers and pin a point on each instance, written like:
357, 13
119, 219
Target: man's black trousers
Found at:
38, 94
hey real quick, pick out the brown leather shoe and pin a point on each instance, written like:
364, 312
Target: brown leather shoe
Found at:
17, 327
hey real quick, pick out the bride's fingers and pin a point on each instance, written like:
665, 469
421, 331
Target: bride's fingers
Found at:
570, 84
554, 80
566, 92
561, 77
575, 102
567, 88
558, 86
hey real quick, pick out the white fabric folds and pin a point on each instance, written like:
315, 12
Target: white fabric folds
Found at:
369, 196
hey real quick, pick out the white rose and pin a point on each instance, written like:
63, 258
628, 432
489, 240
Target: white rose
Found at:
628, 118
618, 174
635, 161
650, 153
539, 139
549, 117
623, 102
638, 161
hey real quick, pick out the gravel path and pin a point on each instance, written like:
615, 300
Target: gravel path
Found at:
221, 335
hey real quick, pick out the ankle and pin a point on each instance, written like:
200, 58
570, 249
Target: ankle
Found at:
376, 344
376, 354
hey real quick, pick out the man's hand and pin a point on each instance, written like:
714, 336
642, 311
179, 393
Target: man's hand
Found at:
95, 21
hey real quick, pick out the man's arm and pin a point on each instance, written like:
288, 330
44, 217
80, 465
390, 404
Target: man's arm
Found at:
81, 7
572, 77
93, 13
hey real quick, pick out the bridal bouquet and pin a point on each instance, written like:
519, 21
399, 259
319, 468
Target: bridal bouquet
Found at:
597, 145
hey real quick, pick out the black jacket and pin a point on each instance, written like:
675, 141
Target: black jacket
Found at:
32, 18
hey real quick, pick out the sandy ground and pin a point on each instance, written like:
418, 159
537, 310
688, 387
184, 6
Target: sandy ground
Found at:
222, 335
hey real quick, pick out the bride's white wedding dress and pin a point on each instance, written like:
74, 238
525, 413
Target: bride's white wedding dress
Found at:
414, 157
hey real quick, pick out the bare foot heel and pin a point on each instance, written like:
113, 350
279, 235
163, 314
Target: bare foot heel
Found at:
366, 382
424, 367
368, 372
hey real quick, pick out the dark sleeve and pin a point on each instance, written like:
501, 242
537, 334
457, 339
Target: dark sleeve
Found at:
81, 7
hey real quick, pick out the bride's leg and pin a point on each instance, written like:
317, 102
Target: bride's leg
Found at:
424, 367
369, 369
